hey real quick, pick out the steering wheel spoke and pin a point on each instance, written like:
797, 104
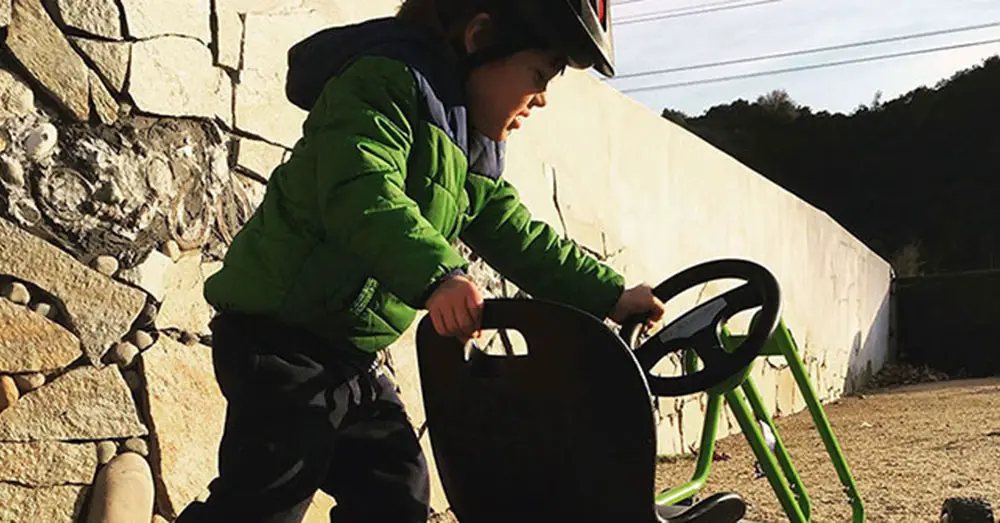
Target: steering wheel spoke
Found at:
699, 328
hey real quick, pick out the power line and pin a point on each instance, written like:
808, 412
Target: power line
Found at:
682, 8
813, 50
677, 13
810, 66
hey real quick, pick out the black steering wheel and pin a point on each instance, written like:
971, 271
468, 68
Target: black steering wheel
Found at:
700, 328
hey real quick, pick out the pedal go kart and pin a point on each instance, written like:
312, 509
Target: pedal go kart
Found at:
567, 431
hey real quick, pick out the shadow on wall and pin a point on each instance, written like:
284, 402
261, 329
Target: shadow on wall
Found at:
869, 353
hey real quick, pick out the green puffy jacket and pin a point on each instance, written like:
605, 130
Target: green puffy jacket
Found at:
358, 226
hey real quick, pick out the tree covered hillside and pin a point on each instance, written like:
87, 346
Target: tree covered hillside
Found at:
916, 178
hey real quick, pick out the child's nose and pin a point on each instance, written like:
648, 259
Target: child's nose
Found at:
539, 100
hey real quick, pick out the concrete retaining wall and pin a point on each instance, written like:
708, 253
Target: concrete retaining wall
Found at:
132, 208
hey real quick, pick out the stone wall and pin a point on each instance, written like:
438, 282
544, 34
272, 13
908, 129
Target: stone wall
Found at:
135, 139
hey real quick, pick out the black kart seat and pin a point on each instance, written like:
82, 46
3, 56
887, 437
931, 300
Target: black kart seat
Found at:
564, 433
724, 507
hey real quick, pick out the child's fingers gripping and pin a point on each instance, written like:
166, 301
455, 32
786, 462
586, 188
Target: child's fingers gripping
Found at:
474, 306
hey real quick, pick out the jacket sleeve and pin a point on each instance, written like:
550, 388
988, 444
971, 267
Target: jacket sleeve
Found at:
362, 127
532, 255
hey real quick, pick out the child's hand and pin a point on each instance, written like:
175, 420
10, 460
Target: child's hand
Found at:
456, 308
638, 300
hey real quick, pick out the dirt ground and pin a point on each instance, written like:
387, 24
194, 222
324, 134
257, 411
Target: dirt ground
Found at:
909, 448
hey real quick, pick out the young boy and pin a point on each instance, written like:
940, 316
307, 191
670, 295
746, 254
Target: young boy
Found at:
401, 155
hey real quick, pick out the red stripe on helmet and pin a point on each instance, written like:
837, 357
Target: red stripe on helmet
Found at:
602, 10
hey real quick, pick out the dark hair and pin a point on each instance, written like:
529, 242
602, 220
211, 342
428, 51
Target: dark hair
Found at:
445, 18
448, 19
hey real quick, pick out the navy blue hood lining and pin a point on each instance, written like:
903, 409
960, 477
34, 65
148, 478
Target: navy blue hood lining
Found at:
315, 60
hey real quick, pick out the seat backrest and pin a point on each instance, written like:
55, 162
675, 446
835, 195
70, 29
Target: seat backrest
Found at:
564, 433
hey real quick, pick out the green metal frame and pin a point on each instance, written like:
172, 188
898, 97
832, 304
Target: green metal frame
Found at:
746, 404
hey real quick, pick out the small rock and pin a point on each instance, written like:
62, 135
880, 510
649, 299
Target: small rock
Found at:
4, 140
17, 293
106, 265
41, 141
29, 382
123, 354
171, 249
141, 339
44, 309
147, 317
106, 450
188, 338
11, 171
137, 445
8, 393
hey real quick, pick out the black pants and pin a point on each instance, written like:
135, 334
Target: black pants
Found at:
302, 416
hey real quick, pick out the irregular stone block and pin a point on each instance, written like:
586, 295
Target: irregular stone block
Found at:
258, 158
47, 463
175, 76
29, 342
172, 250
187, 415
4, 13
97, 17
150, 275
184, 307
39, 45
59, 504
84, 293
104, 103
123, 491
228, 34
83, 404
16, 98
111, 59
151, 18
261, 106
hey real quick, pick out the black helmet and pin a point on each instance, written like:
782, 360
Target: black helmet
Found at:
581, 29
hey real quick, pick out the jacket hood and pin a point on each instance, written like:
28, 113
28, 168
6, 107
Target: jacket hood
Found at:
315, 60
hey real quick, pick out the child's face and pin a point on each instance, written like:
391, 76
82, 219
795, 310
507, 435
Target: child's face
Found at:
501, 94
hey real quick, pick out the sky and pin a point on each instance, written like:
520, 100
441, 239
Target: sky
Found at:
790, 25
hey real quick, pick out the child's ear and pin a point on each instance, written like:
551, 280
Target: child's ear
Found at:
478, 33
